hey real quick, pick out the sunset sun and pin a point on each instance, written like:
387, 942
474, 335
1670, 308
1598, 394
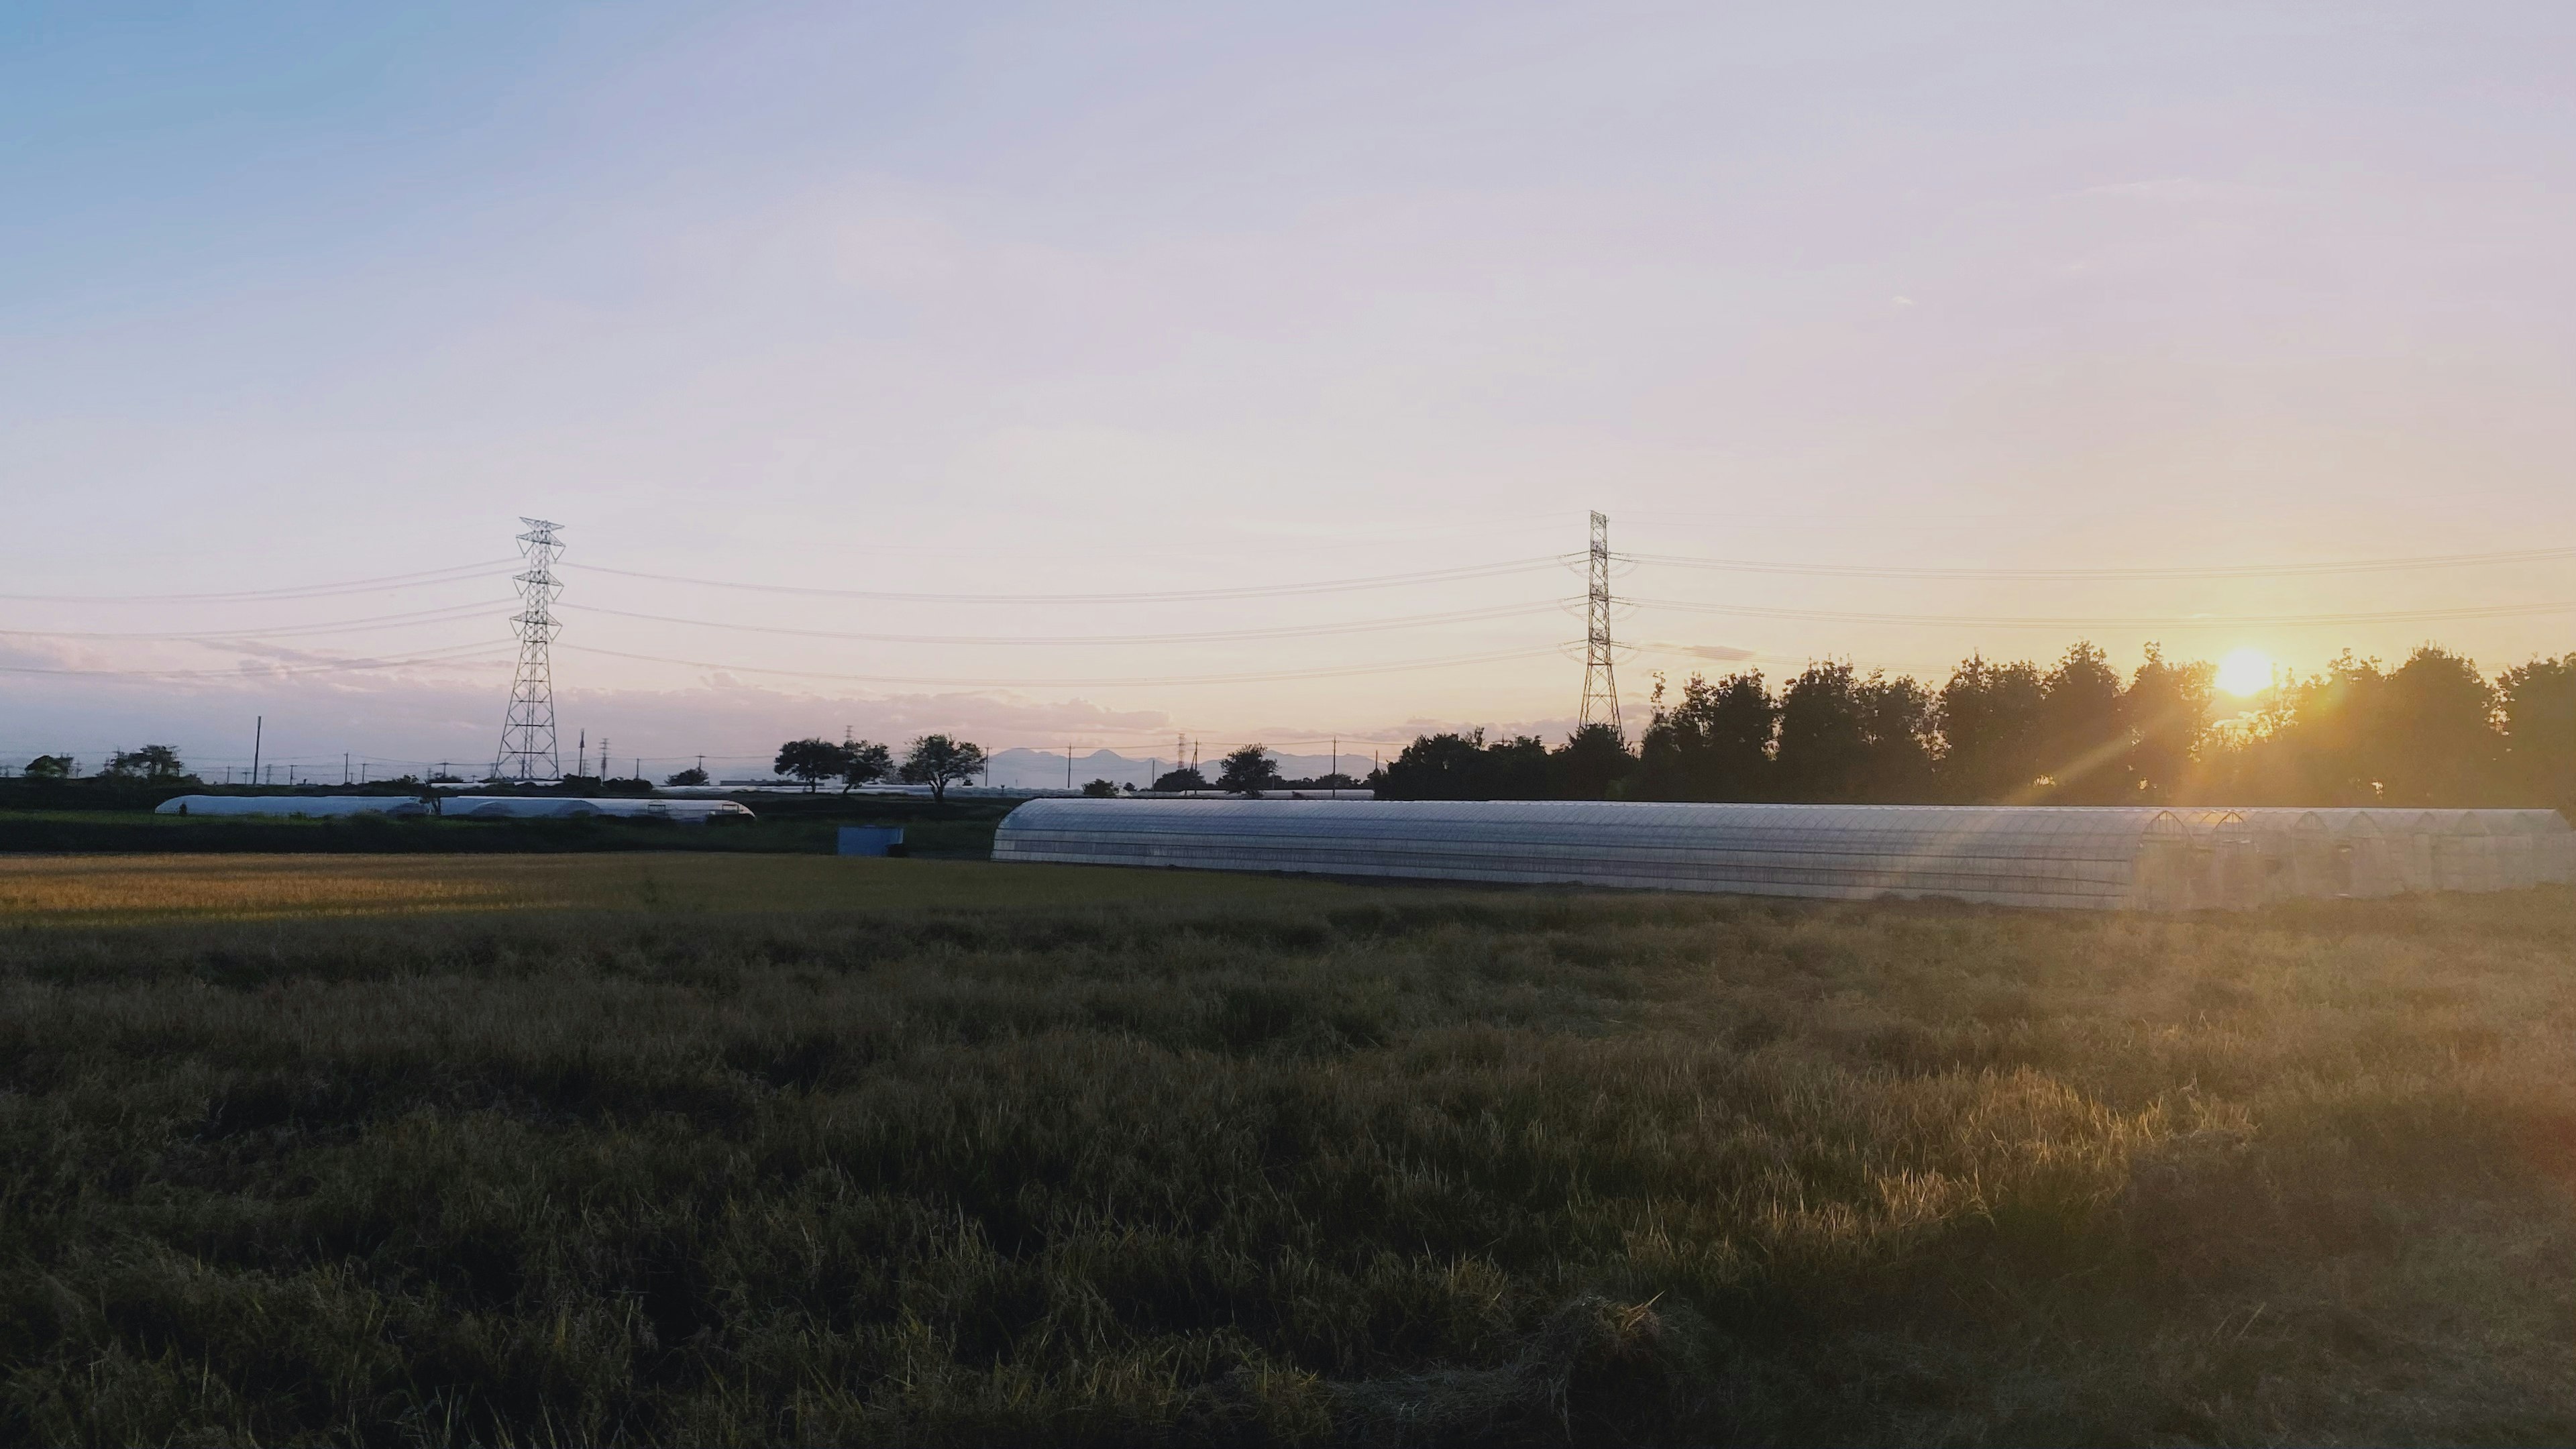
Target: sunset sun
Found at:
2244, 672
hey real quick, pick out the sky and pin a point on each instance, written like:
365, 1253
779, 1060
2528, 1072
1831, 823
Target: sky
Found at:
1065, 330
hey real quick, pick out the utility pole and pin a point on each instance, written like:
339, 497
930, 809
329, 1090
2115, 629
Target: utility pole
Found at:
258, 727
528, 730
344, 769
1600, 685
1068, 766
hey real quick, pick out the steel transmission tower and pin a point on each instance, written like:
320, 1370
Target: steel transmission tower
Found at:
1600, 685
528, 734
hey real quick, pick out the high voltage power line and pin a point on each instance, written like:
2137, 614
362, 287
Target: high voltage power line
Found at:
489, 570
457, 654
2165, 621
1171, 596
456, 613
1329, 672
2197, 571
251, 637
1293, 631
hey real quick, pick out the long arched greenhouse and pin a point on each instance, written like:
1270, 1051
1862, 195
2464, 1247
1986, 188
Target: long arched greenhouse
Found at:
2142, 858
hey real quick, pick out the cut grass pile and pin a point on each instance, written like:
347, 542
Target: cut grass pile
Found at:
960, 1154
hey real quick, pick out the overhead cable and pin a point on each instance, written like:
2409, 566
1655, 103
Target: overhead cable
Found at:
461, 654
2165, 621
1170, 596
1455, 616
451, 614
496, 568
2212, 571
1173, 680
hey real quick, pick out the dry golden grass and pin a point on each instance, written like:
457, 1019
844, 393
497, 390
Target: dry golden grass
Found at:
55, 890
1183, 1158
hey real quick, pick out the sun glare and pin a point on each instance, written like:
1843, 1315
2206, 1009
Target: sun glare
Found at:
2245, 671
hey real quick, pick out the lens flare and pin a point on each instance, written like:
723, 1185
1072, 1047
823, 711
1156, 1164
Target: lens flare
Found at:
2244, 672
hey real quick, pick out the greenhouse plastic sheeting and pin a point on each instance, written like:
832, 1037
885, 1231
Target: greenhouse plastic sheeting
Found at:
2146, 858
544, 807
320, 807
2003, 855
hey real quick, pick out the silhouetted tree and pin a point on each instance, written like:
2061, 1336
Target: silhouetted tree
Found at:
1519, 768
1184, 778
1990, 718
1464, 767
51, 767
1099, 789
2083, 743
1896, 718
2539, 706
864, 762
2436, 740
1821, 750
1844, 737
151, 762
1715, 744
1591, 764
1248, 771
938, 761
812, 761
2164, 713
690, 776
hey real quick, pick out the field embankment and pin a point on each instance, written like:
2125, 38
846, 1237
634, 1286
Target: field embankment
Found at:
696, 1149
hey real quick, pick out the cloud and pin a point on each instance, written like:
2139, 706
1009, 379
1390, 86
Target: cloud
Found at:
1722, 653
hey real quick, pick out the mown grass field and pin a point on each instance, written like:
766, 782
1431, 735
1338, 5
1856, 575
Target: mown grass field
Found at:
679, 1149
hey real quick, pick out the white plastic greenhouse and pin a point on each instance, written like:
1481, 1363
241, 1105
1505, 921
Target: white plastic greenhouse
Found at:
2138, 858
468, 807
319, 807
541, 807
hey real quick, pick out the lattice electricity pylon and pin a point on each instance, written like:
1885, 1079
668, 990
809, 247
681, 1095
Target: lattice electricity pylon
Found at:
1600, 684
528, 733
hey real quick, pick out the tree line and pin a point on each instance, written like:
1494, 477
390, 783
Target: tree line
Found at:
2431, 731
934, 760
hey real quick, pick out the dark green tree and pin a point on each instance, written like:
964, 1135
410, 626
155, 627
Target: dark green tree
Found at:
690, 776
2083, 742
2539, 706
51, 767
2436, 741
864, 762
1248, 771
1990, 718
1099, 790
1846, 737
1184, 778
1465, 767
159, 763
938, 761
2164, 713
1713, 744
812, 761
1592, 764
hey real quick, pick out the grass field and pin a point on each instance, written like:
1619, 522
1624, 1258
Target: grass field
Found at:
688, 1149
